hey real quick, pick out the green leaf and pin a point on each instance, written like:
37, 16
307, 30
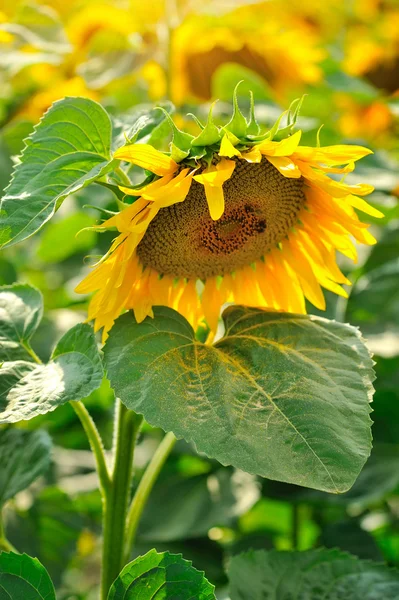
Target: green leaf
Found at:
74, 371
280, 395
161, 576
62, 239
23, 577
21, 310
24, 455
310, 575
69, 149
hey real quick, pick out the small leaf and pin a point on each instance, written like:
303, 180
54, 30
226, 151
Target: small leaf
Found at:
21, 310
75, 370
23, 577
24, 455
69, 149
280, 395
310, 575
161, 575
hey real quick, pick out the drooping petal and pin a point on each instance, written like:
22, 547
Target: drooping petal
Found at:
213, 179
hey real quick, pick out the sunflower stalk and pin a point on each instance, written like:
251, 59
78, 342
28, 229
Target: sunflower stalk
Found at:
144, 489
126, 427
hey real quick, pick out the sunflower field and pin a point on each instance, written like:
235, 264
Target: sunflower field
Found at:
199, 300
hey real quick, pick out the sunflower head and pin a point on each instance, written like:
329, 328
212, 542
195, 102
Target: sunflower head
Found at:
230, 215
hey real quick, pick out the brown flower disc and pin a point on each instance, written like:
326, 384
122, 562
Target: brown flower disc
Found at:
261, 205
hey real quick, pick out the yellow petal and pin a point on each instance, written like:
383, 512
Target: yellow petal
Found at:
145, 156
213, 179
175, 190
289, 145
215, 199
227, 148
332, 155
364, 206
147, 189
285, 166
284, 148
252, 156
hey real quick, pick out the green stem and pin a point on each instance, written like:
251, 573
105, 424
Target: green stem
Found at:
96, 445
144, 488
127, 424
5, 545
31, 352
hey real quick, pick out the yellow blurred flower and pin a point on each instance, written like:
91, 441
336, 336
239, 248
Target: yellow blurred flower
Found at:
258, 37
372, 49
368, 121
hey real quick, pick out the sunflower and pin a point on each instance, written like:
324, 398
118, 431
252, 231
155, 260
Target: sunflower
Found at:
231, 215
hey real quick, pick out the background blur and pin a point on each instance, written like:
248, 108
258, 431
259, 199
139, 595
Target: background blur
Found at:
345, 56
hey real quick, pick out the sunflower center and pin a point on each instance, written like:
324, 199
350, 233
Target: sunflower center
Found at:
261, 205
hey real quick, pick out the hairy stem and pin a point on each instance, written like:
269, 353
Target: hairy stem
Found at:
144, 489
127, 425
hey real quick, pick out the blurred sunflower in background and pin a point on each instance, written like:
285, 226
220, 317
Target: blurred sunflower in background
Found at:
283, 50
232, 215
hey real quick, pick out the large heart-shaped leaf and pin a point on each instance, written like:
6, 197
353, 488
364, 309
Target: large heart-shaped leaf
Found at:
161, 576
24, 455
312, 575
21, 310
280, 395
74, 371
69, 149
23, 577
